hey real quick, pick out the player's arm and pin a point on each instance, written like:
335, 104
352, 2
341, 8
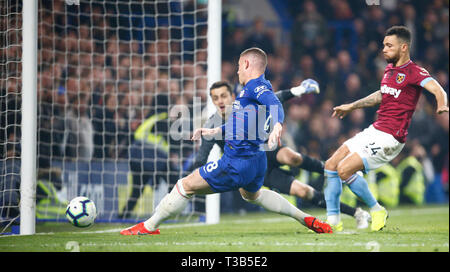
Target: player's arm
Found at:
441, 96
270, 100
198, 133
307, 86
203, 152
275, 136
209, 130
368, 101
207, 144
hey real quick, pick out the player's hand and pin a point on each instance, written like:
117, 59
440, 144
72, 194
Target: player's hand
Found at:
342, 110
442, 109
307, 86
198, 133
275, 136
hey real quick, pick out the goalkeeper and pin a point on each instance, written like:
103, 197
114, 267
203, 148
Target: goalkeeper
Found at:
276, 178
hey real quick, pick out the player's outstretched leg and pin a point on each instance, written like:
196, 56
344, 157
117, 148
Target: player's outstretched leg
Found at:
274, 202
171, 205
285, 183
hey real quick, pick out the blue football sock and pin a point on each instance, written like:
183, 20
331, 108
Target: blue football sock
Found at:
332, 192
359, 186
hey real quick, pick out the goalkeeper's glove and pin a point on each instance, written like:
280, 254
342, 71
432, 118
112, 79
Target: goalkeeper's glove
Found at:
307, 86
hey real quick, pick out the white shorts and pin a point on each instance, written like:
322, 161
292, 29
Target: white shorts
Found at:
375, 147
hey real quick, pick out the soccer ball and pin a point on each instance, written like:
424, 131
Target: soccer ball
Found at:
81, 212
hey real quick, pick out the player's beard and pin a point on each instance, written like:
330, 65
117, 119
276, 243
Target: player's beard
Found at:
393, 59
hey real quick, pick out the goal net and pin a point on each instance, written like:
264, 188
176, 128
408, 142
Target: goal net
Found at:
118, 86
10, 103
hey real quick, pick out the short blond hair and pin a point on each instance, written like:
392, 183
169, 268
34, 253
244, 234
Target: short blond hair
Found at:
258, 54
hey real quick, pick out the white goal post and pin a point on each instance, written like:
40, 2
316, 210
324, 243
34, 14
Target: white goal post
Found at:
29, 112
214, 74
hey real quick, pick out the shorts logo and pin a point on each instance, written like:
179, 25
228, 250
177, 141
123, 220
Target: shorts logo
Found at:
400, 78
388, 151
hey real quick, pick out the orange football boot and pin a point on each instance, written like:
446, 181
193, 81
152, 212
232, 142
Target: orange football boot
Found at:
138, 229
317, 225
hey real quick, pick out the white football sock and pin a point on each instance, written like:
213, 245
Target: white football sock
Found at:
274, 202
376, 207
172, 204
334, 219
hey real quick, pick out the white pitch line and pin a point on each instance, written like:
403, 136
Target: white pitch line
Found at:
173, 226
118, 230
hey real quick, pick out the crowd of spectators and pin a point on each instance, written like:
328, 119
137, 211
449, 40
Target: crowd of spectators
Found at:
99, 77
339, 43
100, 73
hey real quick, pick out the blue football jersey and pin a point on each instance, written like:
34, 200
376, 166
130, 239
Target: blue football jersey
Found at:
255, 110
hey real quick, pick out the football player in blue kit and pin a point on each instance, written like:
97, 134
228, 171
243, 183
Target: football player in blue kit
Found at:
244, 163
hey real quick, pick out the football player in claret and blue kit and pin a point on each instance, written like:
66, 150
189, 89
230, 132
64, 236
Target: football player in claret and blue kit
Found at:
400, 89
244, 163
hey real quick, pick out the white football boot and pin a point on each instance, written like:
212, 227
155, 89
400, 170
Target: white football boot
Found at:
363, 219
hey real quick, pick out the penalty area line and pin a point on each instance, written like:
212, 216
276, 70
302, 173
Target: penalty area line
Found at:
119, 229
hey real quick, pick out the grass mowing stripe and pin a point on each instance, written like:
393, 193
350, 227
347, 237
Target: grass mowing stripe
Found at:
409, 228
278, 219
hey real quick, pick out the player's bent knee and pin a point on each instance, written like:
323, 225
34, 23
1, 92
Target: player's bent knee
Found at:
252, 201
344, 172
249, 197
186, 184
330, 165
195, 184
299, 189
296, 159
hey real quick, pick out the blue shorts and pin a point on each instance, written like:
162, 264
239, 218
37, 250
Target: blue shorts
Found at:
232, 173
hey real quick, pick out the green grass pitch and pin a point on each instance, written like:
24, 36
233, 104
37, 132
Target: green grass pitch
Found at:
409, 229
